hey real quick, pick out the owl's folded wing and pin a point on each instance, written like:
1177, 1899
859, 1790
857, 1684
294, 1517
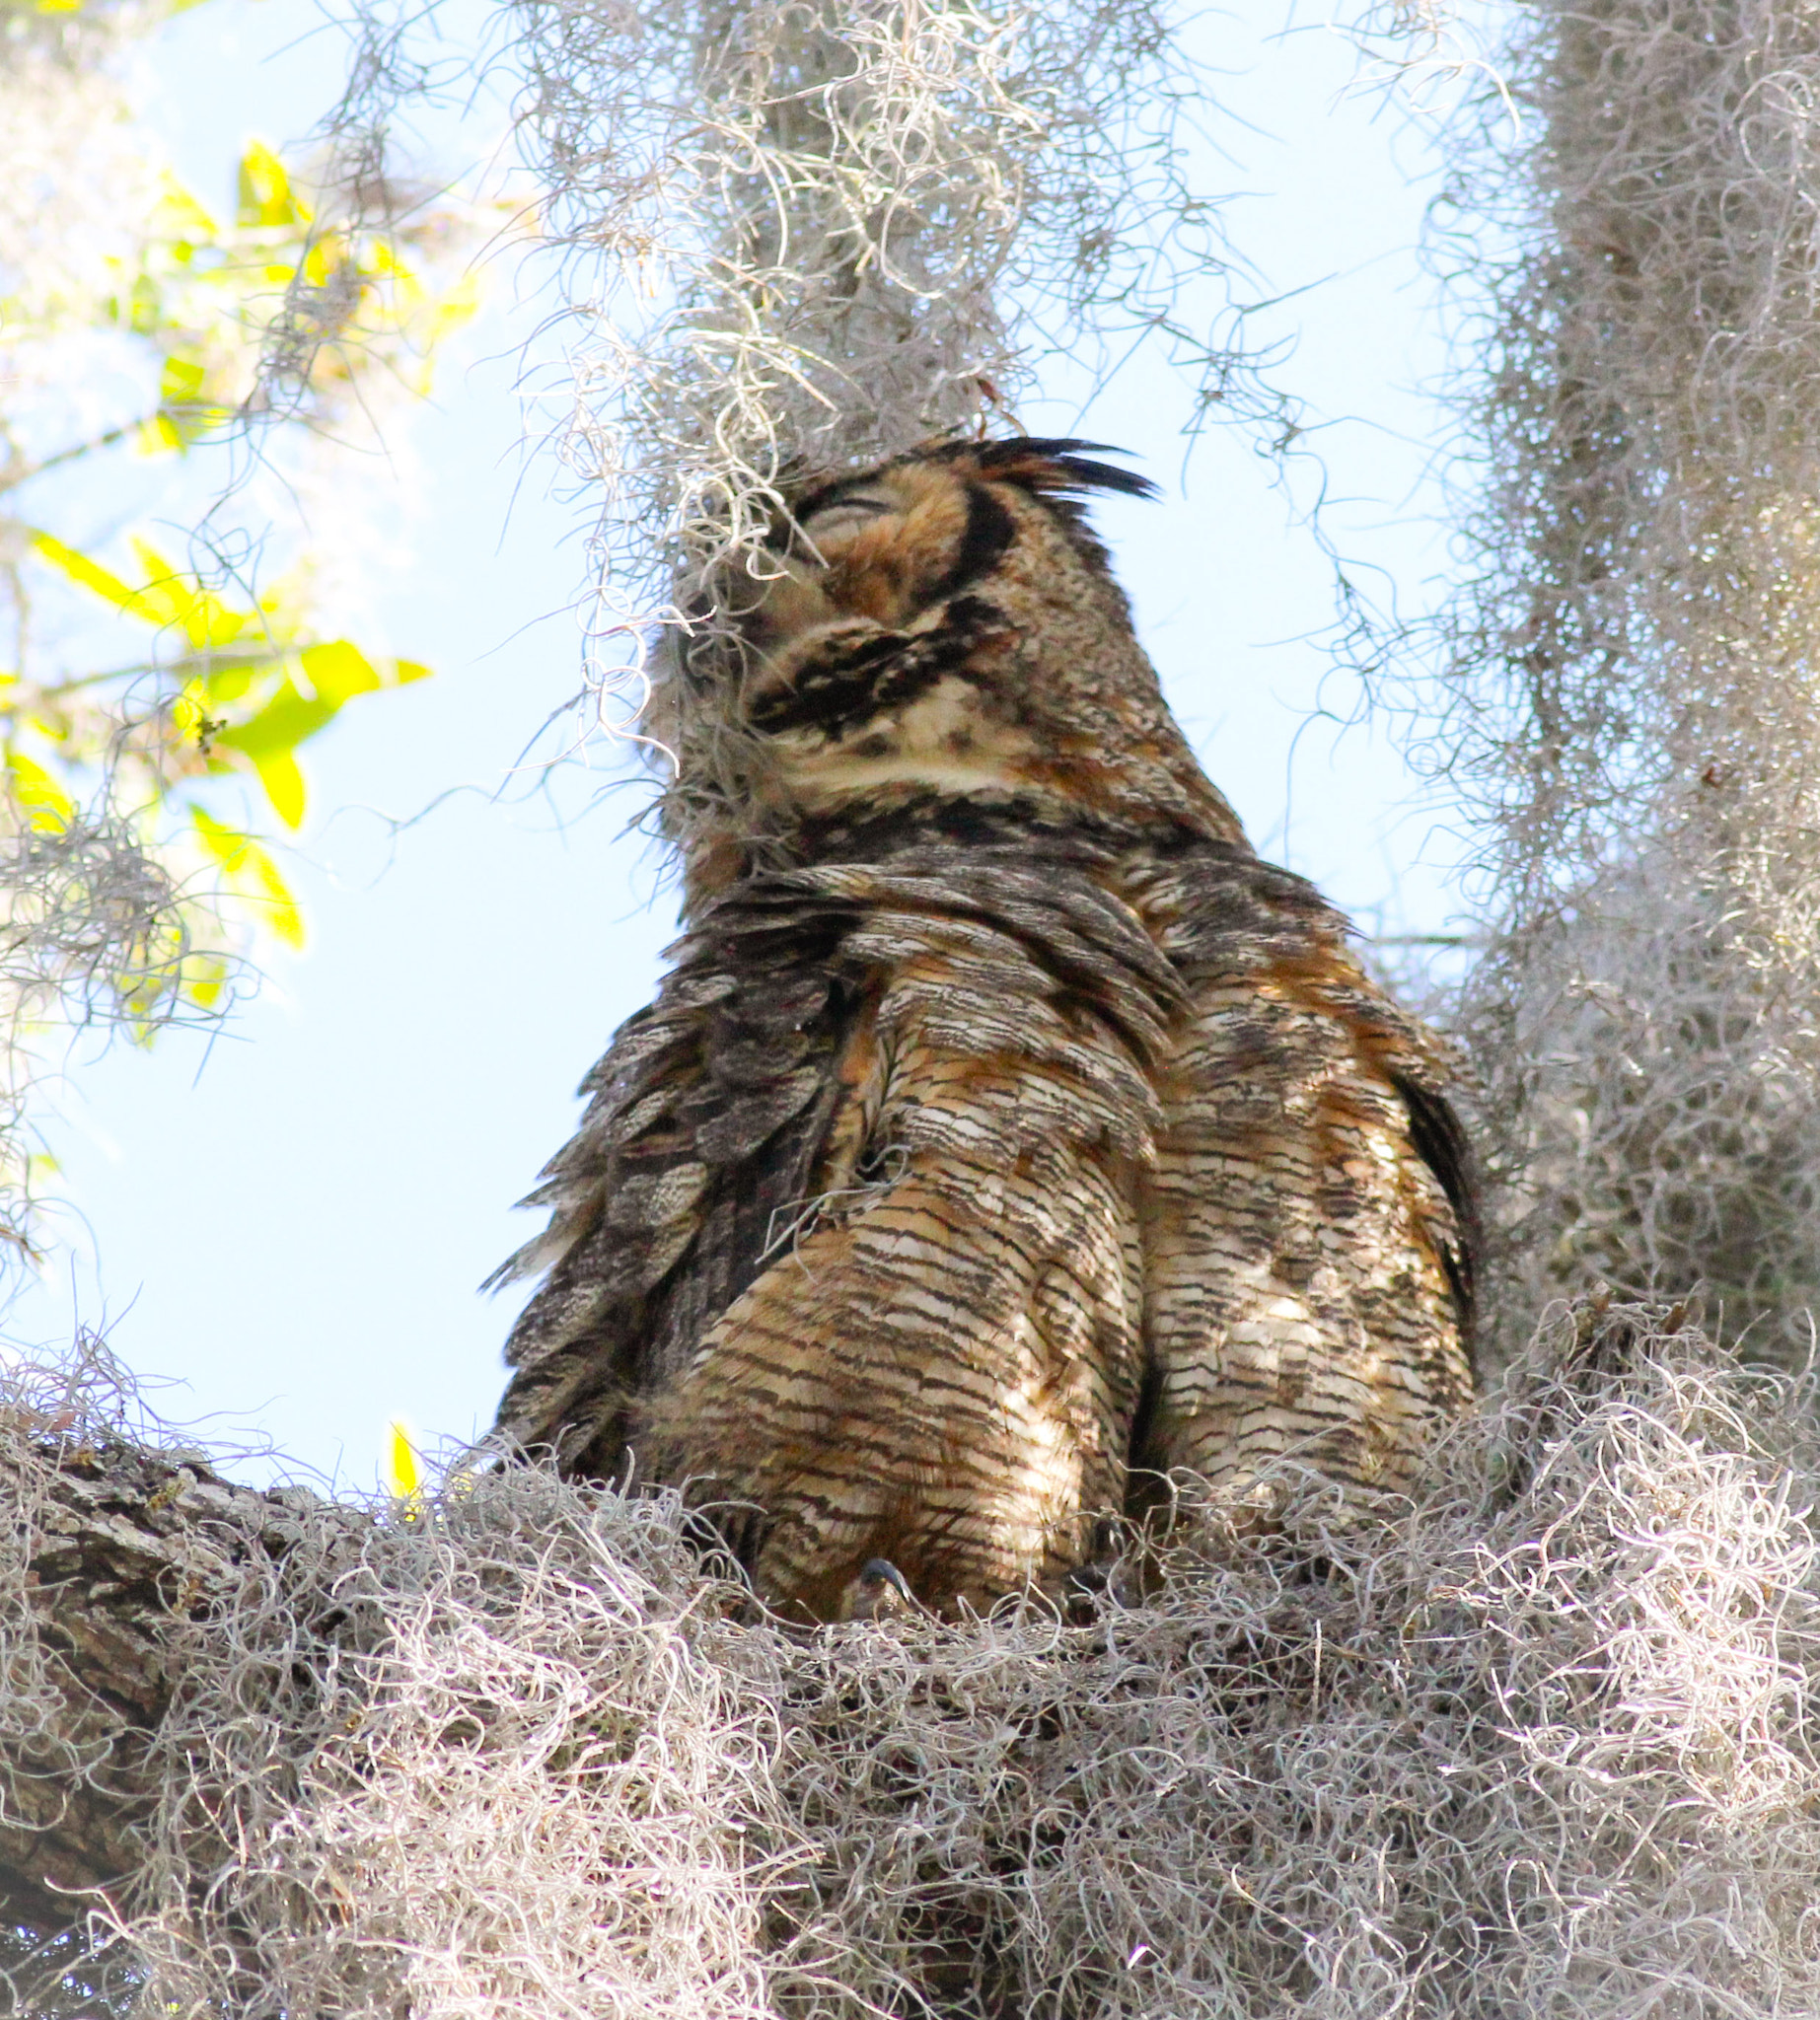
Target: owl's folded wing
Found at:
940, 1370
1310, 1229
850, 1232
709, 1113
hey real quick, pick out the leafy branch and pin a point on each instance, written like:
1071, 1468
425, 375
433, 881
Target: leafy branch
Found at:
161, 775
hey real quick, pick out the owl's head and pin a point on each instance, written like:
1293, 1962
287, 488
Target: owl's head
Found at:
944, 624
892, 544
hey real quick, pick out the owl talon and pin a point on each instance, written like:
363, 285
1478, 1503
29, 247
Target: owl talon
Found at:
1104, 1579
880, 1592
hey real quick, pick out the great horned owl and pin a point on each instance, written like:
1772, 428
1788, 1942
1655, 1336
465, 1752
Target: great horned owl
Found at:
1006, 1133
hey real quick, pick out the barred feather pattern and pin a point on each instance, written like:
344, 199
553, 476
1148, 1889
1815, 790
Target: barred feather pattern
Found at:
1308, 1224
1006, 1134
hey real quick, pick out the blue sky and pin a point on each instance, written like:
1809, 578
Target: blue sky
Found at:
288, 1221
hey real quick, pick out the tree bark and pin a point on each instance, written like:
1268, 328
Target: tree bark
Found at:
118, 1545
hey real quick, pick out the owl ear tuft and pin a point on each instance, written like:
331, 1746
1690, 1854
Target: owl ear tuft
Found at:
1052, 466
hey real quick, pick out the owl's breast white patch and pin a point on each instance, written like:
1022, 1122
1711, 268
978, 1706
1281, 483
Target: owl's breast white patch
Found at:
947, 739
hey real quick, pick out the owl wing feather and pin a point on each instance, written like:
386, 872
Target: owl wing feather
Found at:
852, 1066
1309, 1230
709, 1111
942, 1368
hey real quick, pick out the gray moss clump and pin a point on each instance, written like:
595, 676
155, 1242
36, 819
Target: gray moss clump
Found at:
1540, 1740
1630, 709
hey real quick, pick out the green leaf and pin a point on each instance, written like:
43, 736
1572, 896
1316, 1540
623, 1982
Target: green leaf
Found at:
283, 916
145, 307
339, 671
265, 193
205, 620
283, 780
335, 674
205, 976
44, 802
92, 576
403, 1476
281, 726
223, 842
227, 679
179, 216
253, 875
182, 379
159, 436
166, 598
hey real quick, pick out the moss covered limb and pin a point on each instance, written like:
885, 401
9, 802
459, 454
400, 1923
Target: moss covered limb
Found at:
1541, 1738
1630, 710
110, 1544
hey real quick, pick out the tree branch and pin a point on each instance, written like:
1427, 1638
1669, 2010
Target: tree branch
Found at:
120, 1545
507, 1752
11, 479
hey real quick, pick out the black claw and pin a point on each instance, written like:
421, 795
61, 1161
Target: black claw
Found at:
880, 1589
1106, 1576
877, 1569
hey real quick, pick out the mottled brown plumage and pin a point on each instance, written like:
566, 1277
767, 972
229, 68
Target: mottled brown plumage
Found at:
1006, 1133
